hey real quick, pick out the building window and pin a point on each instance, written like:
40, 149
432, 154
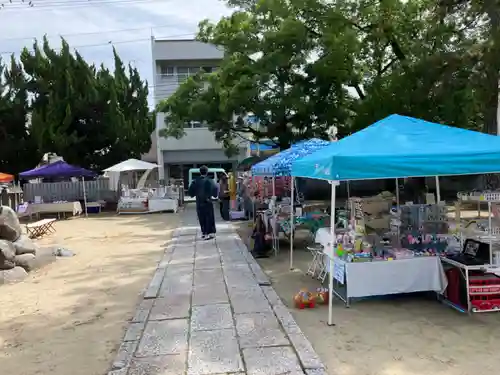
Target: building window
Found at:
207, 69
167, 71
194, 125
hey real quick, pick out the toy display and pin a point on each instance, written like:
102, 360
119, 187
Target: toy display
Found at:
304, 299
322, 296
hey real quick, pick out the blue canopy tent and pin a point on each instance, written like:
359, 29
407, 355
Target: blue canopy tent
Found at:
398, 147
280, 165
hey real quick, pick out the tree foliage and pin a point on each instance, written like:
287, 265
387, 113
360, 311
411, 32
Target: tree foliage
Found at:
302, 66
89, 115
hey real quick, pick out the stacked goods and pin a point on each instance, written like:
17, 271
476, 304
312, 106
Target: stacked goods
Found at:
17, 251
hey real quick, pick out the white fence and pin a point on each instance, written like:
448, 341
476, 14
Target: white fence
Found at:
70, 191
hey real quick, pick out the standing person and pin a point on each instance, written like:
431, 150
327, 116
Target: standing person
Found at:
224, 197
204, 188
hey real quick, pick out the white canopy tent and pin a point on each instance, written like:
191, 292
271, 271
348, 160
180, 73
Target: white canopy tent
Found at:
127, 166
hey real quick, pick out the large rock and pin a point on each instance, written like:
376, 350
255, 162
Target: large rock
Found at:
7, 254
14, 275
27, 261
24, 245
9, 219
7, 232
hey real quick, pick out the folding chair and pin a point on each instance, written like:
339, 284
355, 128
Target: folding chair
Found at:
316, 252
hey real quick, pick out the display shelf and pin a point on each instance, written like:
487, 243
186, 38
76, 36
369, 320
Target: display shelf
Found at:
481, 290
479, 196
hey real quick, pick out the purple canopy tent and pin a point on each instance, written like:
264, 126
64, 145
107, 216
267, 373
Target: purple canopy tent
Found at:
57, 169
60, 169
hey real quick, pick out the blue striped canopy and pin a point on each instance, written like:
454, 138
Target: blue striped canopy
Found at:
280, 164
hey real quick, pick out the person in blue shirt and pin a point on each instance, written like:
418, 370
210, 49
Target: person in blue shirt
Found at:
204, 188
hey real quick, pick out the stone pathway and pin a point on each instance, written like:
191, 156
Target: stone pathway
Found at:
210, 310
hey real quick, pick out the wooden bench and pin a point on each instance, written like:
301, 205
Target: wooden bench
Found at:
40, 228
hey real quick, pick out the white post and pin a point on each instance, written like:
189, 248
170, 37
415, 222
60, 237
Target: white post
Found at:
438, 190
331, 253
274, 186
490, 230
292, 226
397, 194
84, 197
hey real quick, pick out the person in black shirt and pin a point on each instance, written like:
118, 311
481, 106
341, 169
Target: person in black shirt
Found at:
204, 188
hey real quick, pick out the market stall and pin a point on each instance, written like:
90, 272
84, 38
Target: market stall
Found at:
396, 147
58, 169
142, 199
283, 217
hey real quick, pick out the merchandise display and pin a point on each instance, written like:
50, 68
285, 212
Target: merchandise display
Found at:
304, 299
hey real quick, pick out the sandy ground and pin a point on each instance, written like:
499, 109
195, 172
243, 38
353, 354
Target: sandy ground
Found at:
69, 317
389, 336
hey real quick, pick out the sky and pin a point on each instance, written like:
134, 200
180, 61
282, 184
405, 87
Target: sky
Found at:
91, 26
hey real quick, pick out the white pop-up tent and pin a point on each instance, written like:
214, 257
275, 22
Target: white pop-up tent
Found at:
128, 166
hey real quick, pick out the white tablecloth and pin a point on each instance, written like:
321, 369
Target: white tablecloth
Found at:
389, 277
394, 277
75, 208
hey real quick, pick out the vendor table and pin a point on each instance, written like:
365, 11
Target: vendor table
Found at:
365, 279
73, 208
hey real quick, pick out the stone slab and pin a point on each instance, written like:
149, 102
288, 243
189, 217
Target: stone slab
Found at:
124, 355
159, 365
142, 312
248, 300
286, 319
154, 285
316, 371
164, 338
172, 306
209, 294
260, 276
122, 371
210, 317
272, 361
134, 331
259, 330
208, 276
207, 262
305, 351
179, 271
239, 277
214, 352
272, 296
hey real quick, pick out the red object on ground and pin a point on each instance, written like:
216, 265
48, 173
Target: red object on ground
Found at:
4, 177
484, 291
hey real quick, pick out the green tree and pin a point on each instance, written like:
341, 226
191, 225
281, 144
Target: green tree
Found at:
272, 69
88, 115
18, 150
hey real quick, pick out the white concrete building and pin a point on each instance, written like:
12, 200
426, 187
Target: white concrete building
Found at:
173, 62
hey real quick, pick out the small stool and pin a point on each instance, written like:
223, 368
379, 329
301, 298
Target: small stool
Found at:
317, 252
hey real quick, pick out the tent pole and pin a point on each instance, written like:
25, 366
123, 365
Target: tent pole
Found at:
292, 226
438, 190
84, 196
397, 194
331, 255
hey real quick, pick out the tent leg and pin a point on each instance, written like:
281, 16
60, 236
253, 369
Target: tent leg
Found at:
438, 191
292, 226
397, 194
84, 197
330, 256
